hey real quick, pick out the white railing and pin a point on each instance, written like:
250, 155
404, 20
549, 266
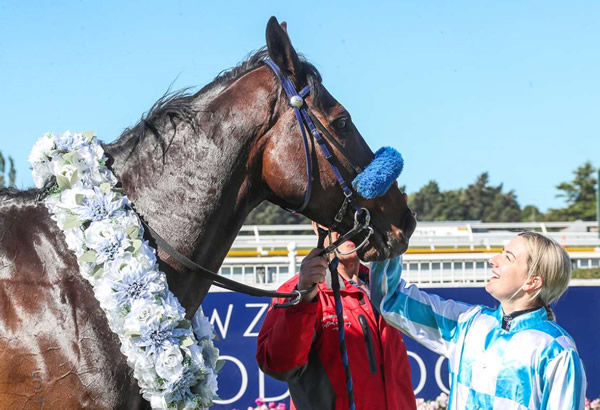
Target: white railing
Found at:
426, 270
431, 235
268, 273
467, 269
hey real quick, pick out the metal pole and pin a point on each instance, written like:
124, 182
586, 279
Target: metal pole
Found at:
292, 253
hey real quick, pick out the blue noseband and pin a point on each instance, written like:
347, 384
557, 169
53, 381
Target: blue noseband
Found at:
381, 173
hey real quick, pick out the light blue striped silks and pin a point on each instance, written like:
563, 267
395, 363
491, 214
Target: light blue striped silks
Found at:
534, 365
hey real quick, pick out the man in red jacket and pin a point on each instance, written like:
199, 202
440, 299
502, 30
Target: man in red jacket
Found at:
300, 344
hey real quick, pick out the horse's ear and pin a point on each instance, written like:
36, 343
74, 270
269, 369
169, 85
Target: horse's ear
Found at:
281, 50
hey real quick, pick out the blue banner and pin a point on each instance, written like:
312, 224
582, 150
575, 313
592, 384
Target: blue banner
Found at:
237, 319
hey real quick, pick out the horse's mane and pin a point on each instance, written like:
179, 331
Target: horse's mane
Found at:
177, 105
20, 196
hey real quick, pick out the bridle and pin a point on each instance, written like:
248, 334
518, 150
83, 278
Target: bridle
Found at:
362, 218
307, 121
361, 215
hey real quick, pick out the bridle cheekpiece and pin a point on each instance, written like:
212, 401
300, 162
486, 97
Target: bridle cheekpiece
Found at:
376, 185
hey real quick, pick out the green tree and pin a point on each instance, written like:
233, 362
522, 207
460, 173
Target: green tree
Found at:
477, 197
579, 195
531, 213
487, 203
504, 207
268, 213
479, 201
450, 207
425, 202
431, 204
12, 173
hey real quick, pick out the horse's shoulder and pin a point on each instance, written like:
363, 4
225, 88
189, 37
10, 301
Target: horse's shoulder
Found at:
15, 203
32, 247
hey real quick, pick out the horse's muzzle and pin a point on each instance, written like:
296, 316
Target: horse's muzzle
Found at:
403, 232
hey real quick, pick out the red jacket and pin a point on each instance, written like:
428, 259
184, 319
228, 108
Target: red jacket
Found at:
300, 346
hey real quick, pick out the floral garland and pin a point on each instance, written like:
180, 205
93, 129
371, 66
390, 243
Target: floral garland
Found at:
440, 403
173, 360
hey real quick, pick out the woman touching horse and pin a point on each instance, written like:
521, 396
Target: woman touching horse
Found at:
513, 357
193, 168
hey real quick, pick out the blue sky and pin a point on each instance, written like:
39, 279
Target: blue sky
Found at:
459, 88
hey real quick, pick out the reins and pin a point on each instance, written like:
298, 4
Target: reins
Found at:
219, 280
339, 311
232, 285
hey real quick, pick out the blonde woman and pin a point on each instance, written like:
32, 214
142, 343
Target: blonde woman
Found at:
512, 357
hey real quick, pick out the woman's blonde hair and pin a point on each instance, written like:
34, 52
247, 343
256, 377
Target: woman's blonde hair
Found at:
548, 260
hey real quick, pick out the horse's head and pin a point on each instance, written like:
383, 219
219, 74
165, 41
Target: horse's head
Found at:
287, 172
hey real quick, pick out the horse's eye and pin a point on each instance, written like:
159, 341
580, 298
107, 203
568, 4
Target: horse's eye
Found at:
341, 124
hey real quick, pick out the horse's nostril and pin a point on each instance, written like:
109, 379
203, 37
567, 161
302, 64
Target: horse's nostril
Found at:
398, 232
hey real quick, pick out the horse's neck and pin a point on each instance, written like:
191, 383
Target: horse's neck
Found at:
197, 197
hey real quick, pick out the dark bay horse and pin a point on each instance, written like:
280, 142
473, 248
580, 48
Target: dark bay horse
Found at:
194, 167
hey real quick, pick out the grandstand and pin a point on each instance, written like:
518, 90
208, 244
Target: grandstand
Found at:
447, 254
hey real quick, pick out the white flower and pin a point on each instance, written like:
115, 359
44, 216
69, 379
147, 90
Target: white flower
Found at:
87, 271
105, 295
172, 307
96, 205
109, 241
70, 198
75, 241
97, 151
207, 390
138, 284
179, 388
102, 174
128, 262
145, 371
201, 325
62, 216
157, 335
195, 352
141, 312
41, 173
169, 363
66, 173
128, 219
85, 160
70, 142
157, 401
146, 256
40, 150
